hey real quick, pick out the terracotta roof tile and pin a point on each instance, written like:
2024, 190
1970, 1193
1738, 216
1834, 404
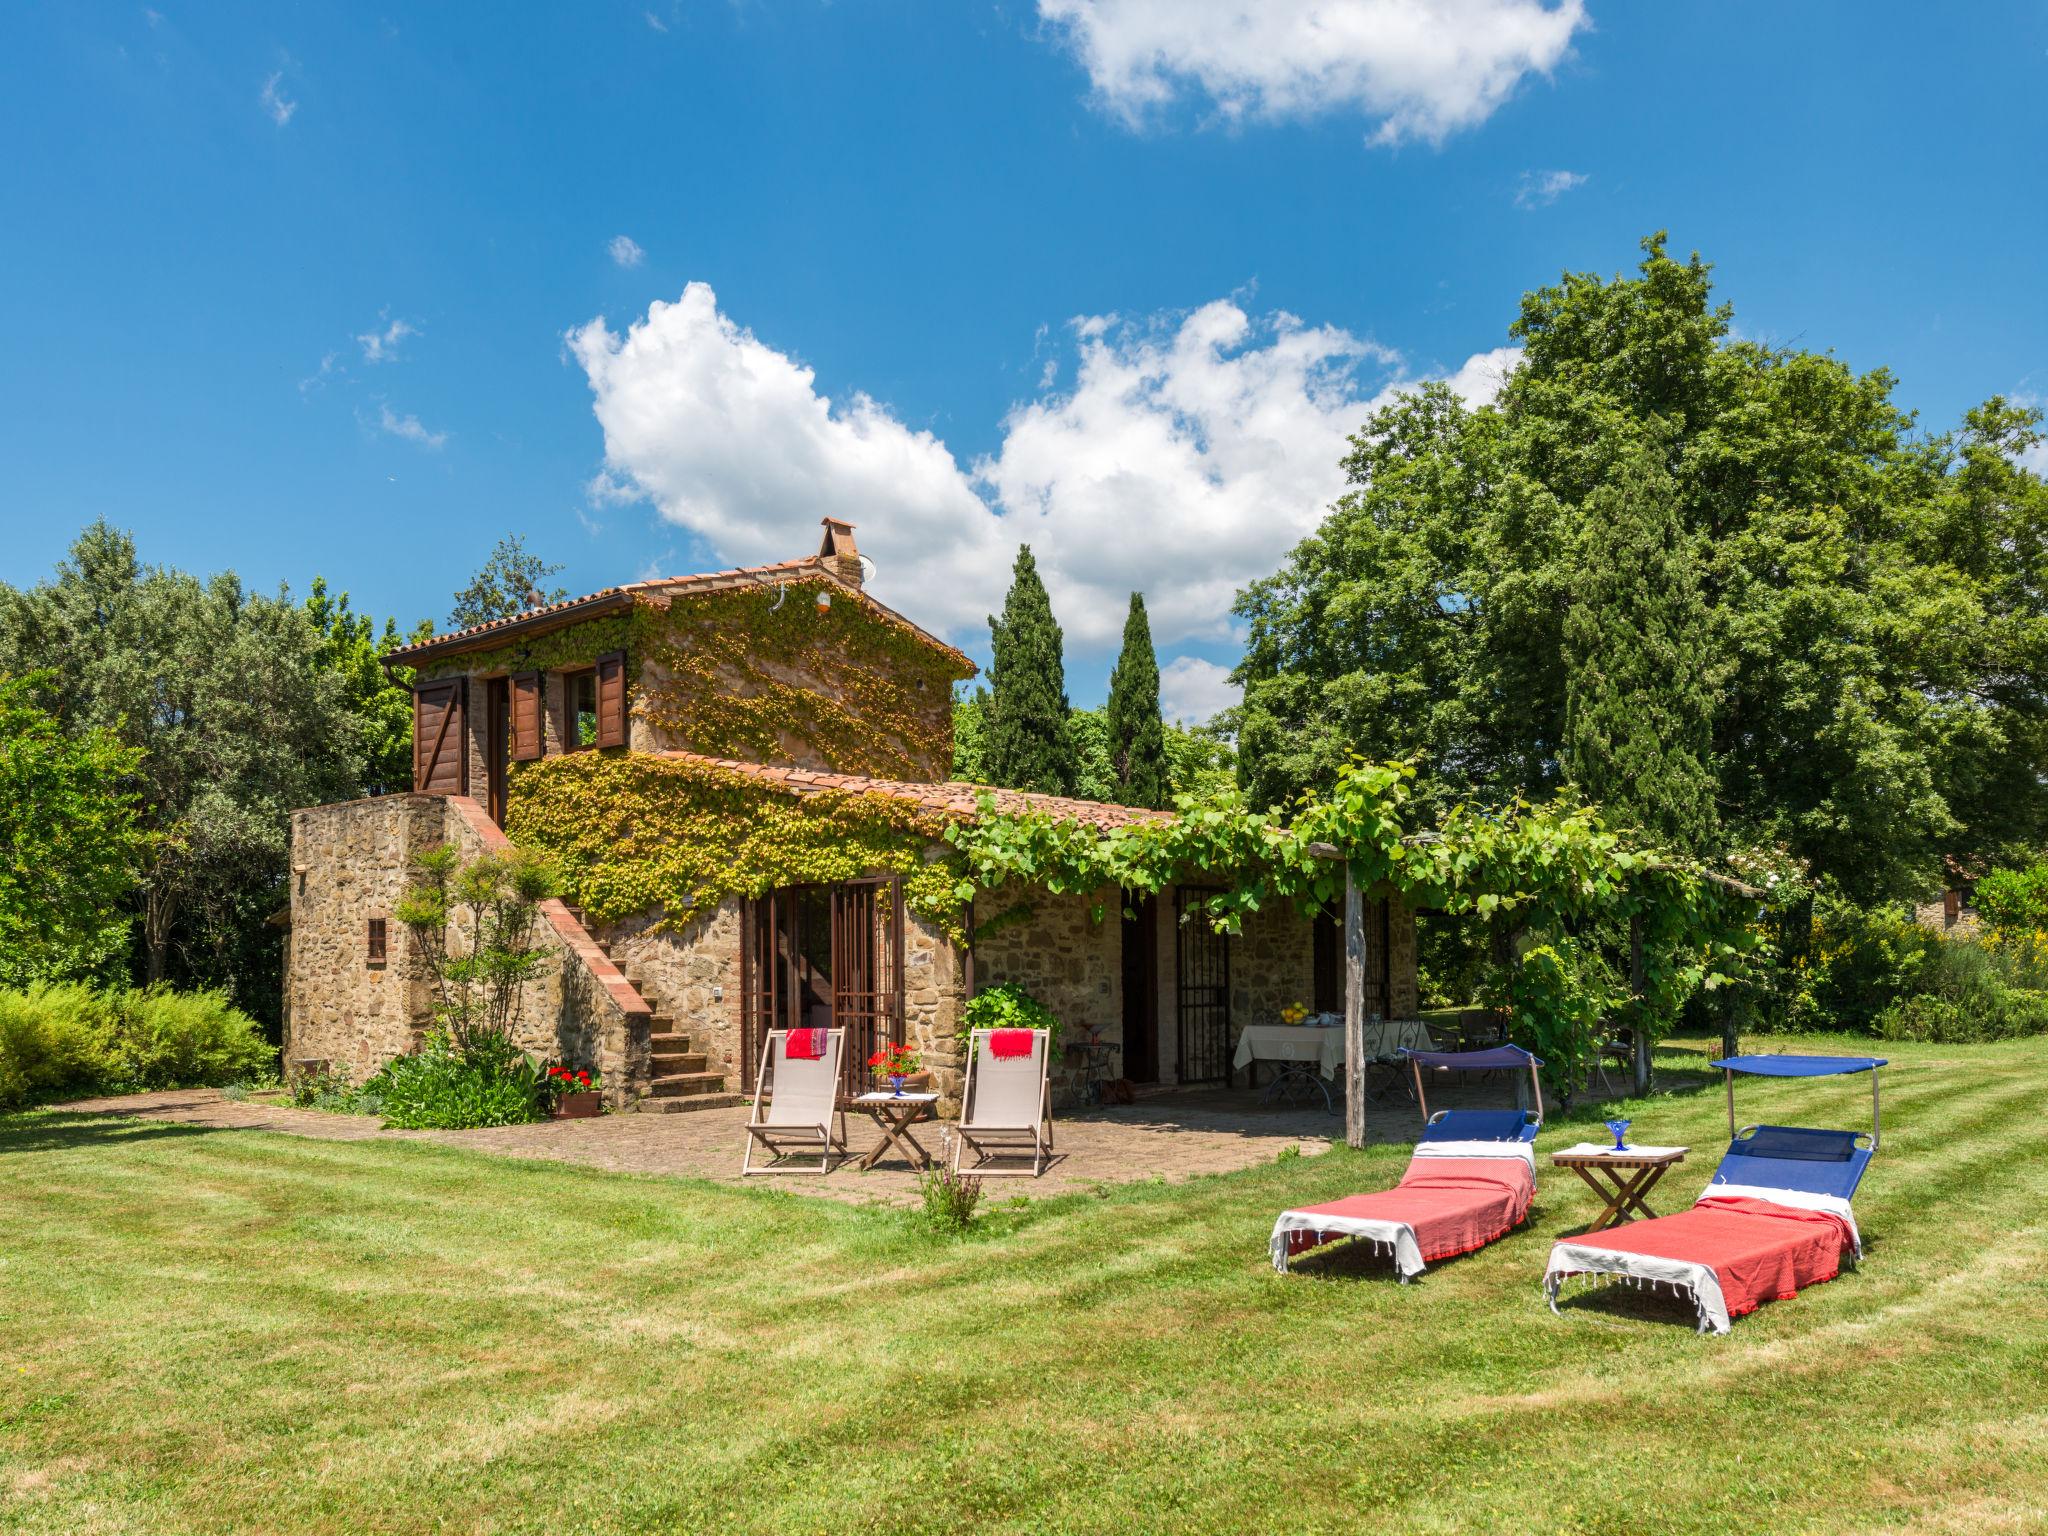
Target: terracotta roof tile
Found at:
661, 589
952, 797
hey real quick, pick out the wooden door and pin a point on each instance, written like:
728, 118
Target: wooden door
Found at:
1141, 988
867, 970
440, 742
824, 956
1202, 982
497, 742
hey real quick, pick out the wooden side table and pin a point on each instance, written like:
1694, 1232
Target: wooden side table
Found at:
894, 1114
1622, 1179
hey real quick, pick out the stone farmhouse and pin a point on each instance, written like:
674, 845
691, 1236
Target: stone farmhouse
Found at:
669, 743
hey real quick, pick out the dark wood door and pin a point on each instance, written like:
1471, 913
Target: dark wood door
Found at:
1202, 982
1141, 988
440, 744
820, 956
497, 745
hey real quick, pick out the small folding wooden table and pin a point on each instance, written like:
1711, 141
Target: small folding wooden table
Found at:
1623, 1179
894, 1114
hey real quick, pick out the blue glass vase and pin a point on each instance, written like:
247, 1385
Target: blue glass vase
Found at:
896, 1084
1620, 1129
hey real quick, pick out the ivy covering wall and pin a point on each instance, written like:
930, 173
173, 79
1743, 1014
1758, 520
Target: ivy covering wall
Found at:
762, 672
632, 833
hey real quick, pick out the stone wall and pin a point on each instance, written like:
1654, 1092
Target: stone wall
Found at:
1065, 959
355, 861
352, 863
934, 991
692, 973
1272, 964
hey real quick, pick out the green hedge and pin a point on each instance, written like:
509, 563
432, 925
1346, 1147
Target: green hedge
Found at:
58, 1040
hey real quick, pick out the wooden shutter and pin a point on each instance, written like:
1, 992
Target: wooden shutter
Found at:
526, 733
440, 747
611, 699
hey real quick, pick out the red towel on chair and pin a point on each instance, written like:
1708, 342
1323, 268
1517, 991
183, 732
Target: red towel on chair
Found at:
1006, 1044
805, 1045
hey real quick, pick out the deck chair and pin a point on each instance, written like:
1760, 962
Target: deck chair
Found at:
1006, 1106
796, 1106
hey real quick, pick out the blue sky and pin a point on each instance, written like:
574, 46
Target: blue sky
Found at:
307, 289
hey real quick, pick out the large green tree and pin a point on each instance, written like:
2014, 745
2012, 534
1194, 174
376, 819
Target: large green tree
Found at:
1639, 679
221, 691
1028, 742
1137, 736
71, 845
1871, 599
351, 648
512, 580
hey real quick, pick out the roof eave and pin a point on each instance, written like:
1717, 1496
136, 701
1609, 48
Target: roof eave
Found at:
539, 622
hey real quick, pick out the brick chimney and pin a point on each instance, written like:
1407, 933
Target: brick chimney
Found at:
839, 550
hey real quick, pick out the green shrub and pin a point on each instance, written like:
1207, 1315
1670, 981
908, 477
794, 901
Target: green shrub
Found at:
1008, 1006
54, 1039
167, 1039
2014, 900
949, 1198
67, 1039
443, 1086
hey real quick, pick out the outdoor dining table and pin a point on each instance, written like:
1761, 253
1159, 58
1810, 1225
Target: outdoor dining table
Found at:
1303, 1050
1623, 1179
894, 1114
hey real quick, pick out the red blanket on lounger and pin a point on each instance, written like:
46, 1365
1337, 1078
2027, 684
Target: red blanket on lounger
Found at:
1453, 1205
1758, 1250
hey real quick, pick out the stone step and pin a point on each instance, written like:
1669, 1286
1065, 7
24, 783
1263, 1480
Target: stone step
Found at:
694, 1101
681, 1084
658, 1022
669, 1063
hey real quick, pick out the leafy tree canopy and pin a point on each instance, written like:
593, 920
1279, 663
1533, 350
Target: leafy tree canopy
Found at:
351, 648
221, 691
1028, 744
1136, 735
1868, 603
511, 581
71, 845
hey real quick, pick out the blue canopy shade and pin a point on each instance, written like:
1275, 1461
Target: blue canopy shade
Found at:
1492, 1059
1800, 1066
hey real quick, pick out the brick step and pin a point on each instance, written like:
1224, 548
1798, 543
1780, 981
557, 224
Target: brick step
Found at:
690, 1102
682, 1084
659, 1023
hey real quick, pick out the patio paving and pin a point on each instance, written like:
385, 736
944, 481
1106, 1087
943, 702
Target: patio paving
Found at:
1169, 1134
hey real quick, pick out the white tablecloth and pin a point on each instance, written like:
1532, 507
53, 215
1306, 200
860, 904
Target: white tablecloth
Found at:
1325, 1047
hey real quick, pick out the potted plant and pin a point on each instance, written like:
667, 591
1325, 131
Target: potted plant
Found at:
573, 1095
897, 1065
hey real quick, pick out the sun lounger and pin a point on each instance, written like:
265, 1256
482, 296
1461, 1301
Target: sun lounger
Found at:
1006, 1104
1775, 1218
796, 1102
1469, 1182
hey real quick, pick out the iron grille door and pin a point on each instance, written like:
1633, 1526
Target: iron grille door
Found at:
767, 975
1202, 974
867, 971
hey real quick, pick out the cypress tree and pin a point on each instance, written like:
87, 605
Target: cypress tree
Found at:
1639, 697
1137, 736
1026, 745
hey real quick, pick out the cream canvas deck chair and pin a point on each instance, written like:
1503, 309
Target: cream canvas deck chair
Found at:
796, 1106
1006, 1107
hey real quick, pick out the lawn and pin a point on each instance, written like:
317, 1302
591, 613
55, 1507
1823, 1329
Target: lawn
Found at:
210, 1331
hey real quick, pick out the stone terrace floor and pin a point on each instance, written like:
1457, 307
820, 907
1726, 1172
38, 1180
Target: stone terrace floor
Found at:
1169, 1134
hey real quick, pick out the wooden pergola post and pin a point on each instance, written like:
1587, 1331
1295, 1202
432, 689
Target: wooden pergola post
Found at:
1354, 1009
1640, 1035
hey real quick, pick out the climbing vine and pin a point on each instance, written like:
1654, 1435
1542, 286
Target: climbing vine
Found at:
1551, 875
768, 675
561, 650
632, 833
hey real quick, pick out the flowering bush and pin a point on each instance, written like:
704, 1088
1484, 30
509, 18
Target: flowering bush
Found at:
561, 1080
894, 1060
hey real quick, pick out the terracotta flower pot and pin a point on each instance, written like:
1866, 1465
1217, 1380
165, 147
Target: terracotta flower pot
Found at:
577, 1106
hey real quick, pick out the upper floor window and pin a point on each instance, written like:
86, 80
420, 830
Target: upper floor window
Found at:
581, 721
376, 950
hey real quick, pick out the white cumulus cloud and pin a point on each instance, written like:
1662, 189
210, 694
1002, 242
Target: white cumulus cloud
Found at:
275, 102
407, 427
1539, 189
1420, 69
381, 345
625, 251
1194, 691
1192, 452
